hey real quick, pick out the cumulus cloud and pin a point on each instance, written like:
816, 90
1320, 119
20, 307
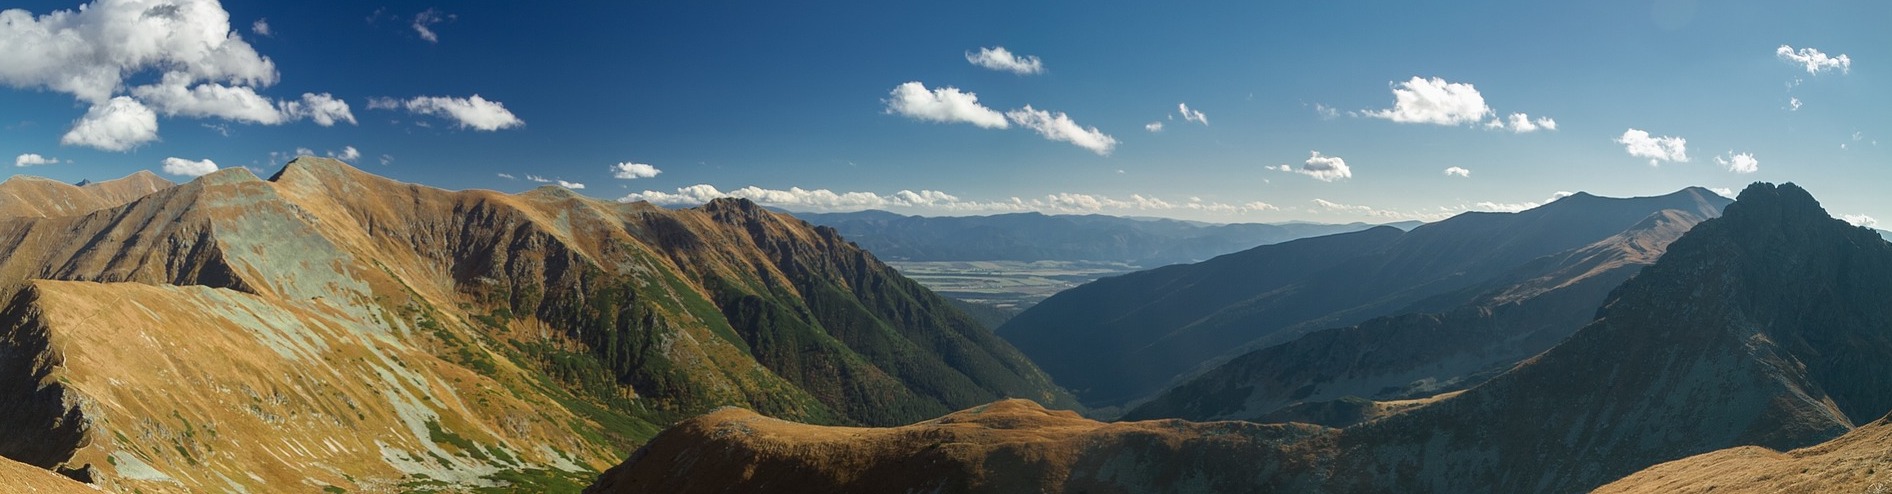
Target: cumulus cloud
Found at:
473, 112
1059, 127
33, 159
1723, 192
1521, 123
1739, 163
322, 109
828, 200
1153, 126
508, 176
1001, 59
424, 24
188, 168
349, 154
536, 178
1658, 149
119, 124
1192, 115
571, 185
1434, 101
1793, 103
1457, 172
1861, 220
631, 171
206, 69
946, 105
1813, 60
1321, 167
1326, 112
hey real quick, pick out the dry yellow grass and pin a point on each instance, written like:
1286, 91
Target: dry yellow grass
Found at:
1858, 462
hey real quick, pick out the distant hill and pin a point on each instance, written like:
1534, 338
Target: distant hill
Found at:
1040, 237
1122, 338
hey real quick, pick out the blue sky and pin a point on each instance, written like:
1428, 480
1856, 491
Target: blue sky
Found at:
777, 102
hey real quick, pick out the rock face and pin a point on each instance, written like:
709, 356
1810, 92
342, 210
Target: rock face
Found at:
327, 327
1860, 461
1007, 446
1409, 356
1768, 326
1120, 339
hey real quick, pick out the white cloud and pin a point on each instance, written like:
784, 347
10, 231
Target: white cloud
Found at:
1192, 115
1323, 168
536, 178
1521, 123
387, 159
424, 22
349, 154
571, 185
999, 58
947, 105
1658, 149
116, 125
1723, 192
1861, 220
1814, 61
89, 52
304, 152
1793, 103
188, 168
1506, 207
630, 171
508, 176
32, 159
1326, 112
1059, 127
474, 112
261, 27
1739, 163
1434, 101
321, 108
1153, 126
933, 200
1457, 172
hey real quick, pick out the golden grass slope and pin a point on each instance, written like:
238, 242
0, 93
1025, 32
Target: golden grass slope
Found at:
24, 195
1858, 462
1006, 446
22, 478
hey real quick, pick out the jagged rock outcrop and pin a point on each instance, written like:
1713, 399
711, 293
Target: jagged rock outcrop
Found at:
327, 327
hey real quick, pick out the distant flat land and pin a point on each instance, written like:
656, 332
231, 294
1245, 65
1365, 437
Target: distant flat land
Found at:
1013, 285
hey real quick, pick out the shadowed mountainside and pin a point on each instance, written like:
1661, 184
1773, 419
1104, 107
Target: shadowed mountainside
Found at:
328, 327
1409, 356
1122, 338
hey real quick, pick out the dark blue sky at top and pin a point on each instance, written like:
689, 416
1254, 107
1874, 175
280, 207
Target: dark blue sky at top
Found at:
779, 95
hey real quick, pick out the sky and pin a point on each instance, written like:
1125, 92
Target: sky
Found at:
1211, 111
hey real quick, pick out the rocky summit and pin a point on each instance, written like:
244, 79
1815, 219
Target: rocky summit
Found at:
330, 329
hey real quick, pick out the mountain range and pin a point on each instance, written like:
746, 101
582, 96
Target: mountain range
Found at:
1766, 326
1041, 237
1122, 339
331, 329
